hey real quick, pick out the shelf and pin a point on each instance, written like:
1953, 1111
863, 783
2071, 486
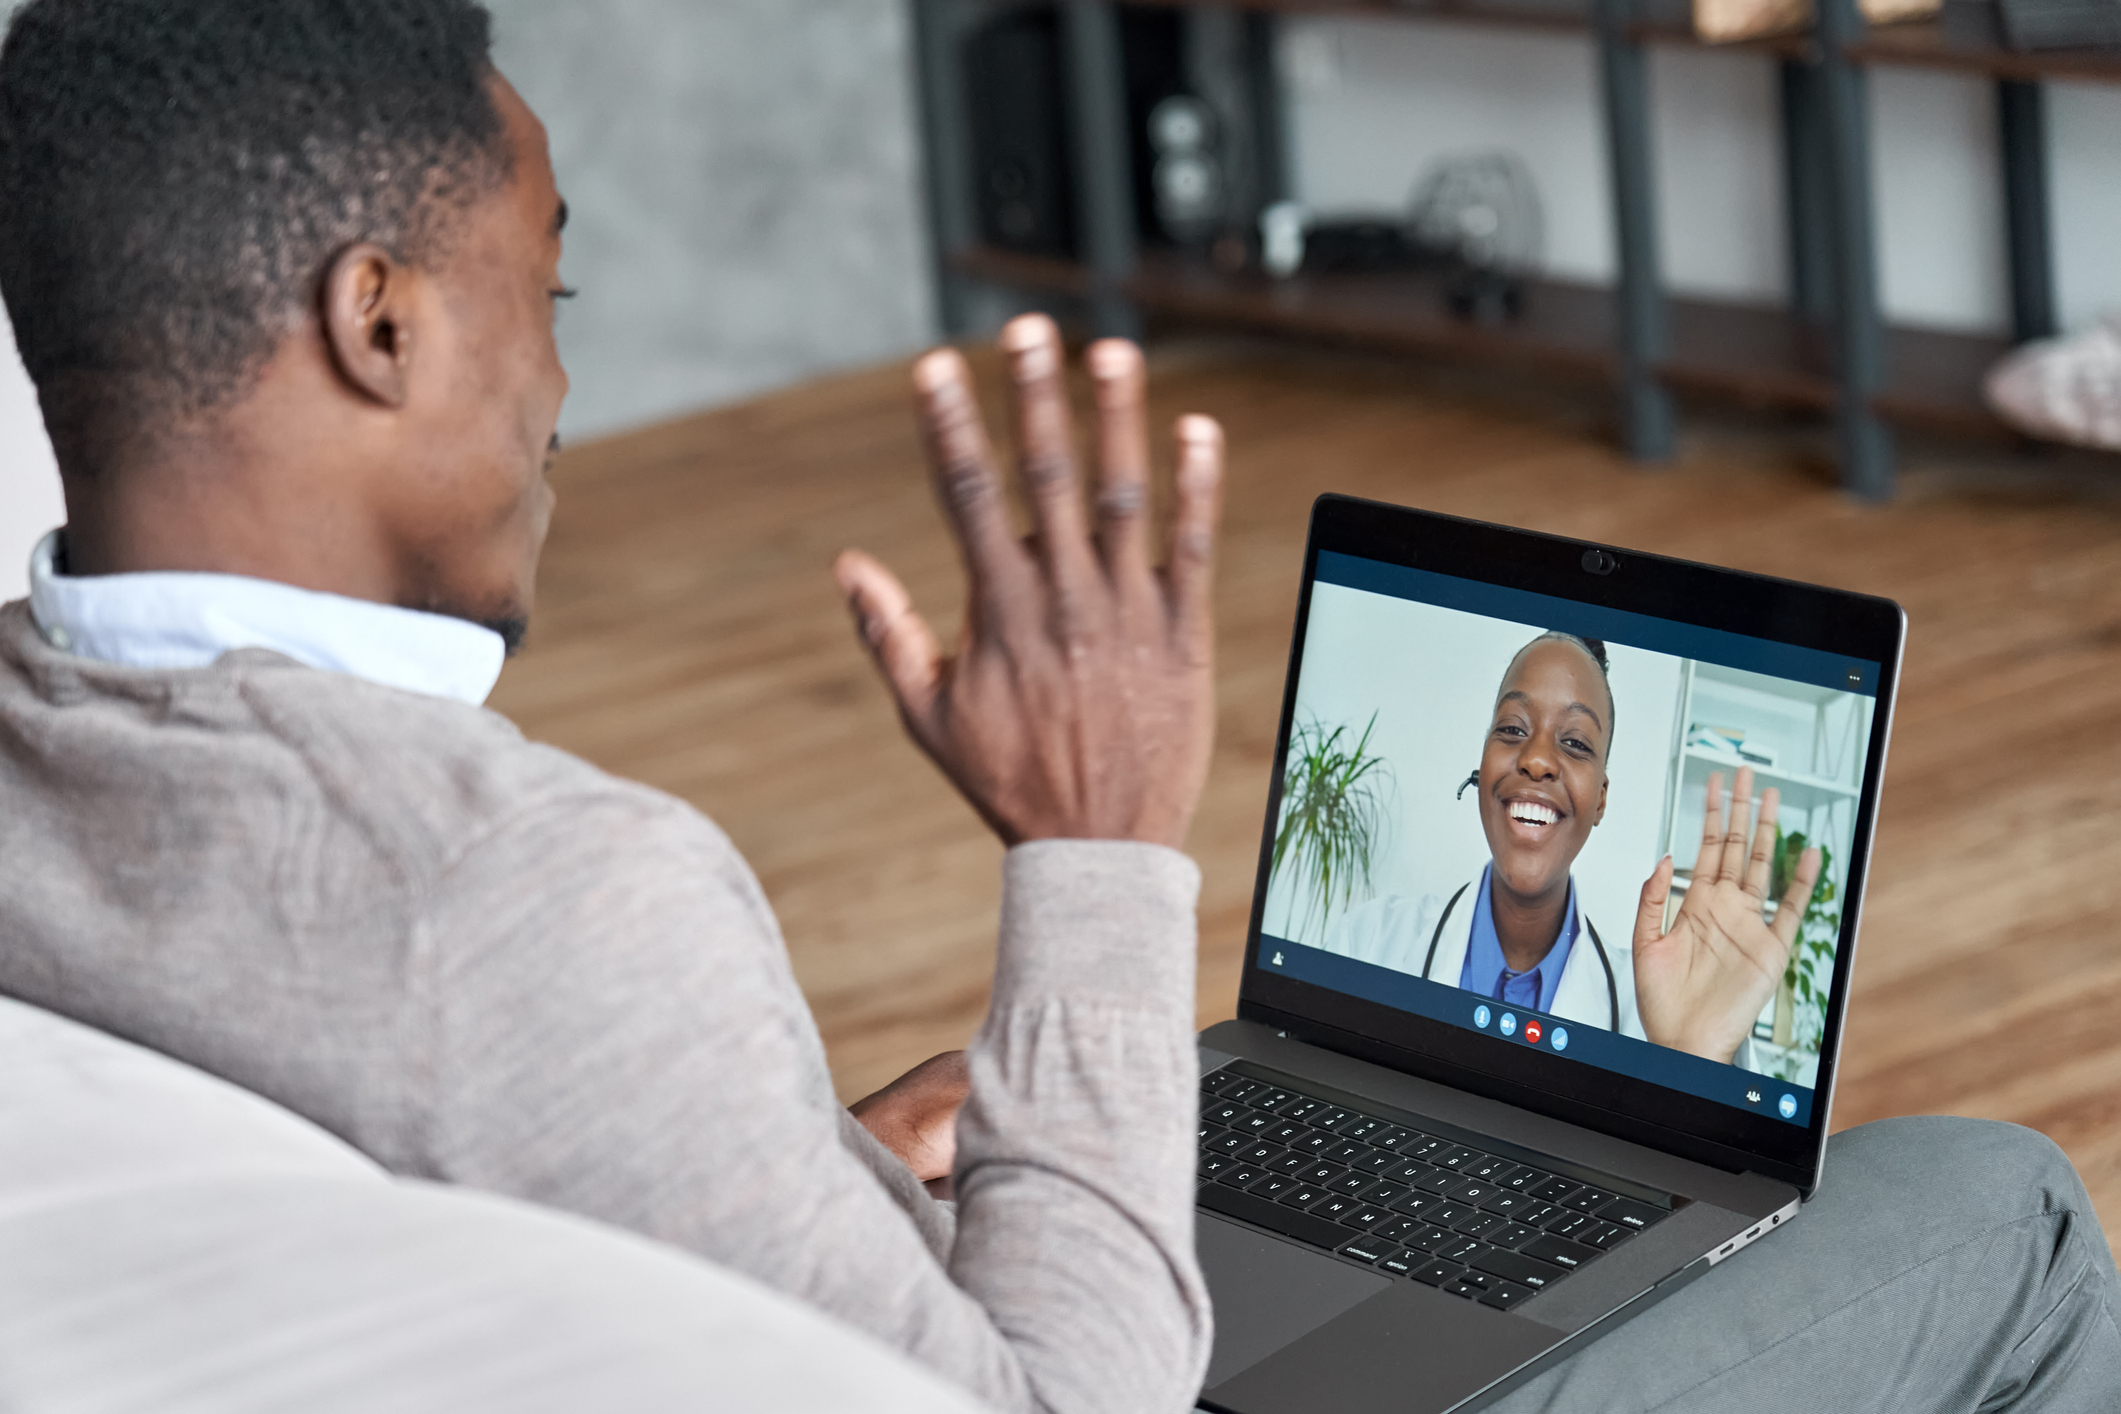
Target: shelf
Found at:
1936, 45
1792, 784
1753, 354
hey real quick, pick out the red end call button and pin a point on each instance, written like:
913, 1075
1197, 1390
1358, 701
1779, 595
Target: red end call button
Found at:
1532, 1032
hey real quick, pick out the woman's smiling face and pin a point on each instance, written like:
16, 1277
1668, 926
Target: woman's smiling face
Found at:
1542, 774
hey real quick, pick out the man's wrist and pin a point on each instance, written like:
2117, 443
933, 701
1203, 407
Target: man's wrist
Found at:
1104, 921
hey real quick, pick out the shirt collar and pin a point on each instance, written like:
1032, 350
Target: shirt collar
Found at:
1484, 960
172, 620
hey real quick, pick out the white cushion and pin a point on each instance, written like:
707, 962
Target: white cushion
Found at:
170, 1243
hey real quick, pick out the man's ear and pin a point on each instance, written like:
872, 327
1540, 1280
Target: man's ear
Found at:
368, 322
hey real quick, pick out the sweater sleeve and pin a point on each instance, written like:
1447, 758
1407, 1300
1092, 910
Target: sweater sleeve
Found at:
617, 1032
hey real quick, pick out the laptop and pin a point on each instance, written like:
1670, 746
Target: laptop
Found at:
1465, 1122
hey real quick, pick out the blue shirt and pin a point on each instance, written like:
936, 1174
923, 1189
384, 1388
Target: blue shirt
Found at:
1486, 973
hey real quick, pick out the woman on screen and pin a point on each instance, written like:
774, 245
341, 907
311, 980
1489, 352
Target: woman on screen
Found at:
1517, 933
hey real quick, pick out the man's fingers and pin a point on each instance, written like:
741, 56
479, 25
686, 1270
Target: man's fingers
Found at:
1760, 867
1116, 371
1710, 856
1194, 522
1789, 916
1732, 862
1649, 914
904, 647
1045, 440
963, 463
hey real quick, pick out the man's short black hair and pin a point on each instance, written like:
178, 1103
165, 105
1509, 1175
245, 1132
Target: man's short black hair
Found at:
176, 175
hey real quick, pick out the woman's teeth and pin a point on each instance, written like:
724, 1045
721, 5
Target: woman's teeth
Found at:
1528, 813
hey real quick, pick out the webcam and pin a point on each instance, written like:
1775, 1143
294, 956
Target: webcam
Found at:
1599, 562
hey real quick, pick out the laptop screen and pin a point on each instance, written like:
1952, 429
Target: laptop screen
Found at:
1482, 785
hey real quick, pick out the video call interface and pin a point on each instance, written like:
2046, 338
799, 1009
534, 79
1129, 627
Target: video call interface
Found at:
1482, 785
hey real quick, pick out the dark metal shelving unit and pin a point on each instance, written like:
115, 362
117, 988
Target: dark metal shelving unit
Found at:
1828, 350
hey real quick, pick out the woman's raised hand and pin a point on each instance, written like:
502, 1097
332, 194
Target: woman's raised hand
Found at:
1080, 701
1700, 986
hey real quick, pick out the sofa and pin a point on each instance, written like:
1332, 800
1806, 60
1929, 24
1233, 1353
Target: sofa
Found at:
169, 1242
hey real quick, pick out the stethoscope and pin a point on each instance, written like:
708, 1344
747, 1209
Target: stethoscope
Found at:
1612, 986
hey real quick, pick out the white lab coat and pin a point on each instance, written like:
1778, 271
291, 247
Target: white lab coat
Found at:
1396, 931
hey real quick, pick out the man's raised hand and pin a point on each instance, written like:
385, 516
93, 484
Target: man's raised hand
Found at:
1700, 986
1079, 703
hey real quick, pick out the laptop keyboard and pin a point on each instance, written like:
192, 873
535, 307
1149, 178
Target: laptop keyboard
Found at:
1424, 1206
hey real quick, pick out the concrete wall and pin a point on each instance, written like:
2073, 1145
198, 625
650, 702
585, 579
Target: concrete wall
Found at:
744, 190
1373, 102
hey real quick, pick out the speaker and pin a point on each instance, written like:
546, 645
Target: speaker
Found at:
1019, 133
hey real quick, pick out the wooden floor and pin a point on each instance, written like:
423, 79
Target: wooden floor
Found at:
689, 636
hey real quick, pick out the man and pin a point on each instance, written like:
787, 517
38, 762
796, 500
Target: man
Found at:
283, 271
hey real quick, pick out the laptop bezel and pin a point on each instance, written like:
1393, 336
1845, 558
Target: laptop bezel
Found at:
1836, 621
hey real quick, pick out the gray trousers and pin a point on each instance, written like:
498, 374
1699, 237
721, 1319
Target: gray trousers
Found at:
1946, 1265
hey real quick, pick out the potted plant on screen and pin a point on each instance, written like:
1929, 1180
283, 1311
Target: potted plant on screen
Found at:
1800, 1003
1333, 817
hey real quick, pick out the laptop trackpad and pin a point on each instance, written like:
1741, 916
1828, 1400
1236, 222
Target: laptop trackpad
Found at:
1268, 1293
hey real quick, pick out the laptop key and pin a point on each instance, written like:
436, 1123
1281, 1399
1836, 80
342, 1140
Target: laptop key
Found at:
1384, 1192
1570, 1224
1489, 1169
1512, 1235
1469, 1286
1303, 1195
1285, 1131
1209, 1131
1316, 1142
1255, 1122
1391, 1137
1270, 1099
1396, 1229
1447, 1214
1275, 1217
1321, 1173
1416, 1204
1408, 1170
1631, 1214
1222, 1081
1525, 1180
1425, 1148
1240, 1175
1366, 1216
1272, 1186
1351, 1183
1567, 1255
1437, 1180
1481, 1224
1345, 1152
1537, 1214
1503, 1296
1508, 1204
1457, 1156
1465, 1249
1469, 1192
1300, 1109
1224, 1112
1588, 1200
1213, 1164
1429, 1239
1243, 1090
1262, 1154
1377, 1161
1364, 1249
1291, 1163
1362, 1127
1555, 1189
1436, 1273
1330, 1118
1334, 1206
1401, 1264
1537, 1276
1231, 1141
1605, 1237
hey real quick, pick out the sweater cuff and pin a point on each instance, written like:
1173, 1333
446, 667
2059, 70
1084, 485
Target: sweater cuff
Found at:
1098, 921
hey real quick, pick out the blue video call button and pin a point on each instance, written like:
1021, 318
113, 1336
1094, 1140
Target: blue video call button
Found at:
1508, 1025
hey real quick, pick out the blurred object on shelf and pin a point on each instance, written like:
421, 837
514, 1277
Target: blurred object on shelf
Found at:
1019, 135
2060, 24
1281, 238
2063, 390
1482, 212
1726, 21
1294, 239
1188, 181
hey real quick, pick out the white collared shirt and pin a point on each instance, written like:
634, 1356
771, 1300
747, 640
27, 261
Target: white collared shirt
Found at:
173, 620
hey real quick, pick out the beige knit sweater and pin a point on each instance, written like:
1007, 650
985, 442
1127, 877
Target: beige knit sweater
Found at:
484, 961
